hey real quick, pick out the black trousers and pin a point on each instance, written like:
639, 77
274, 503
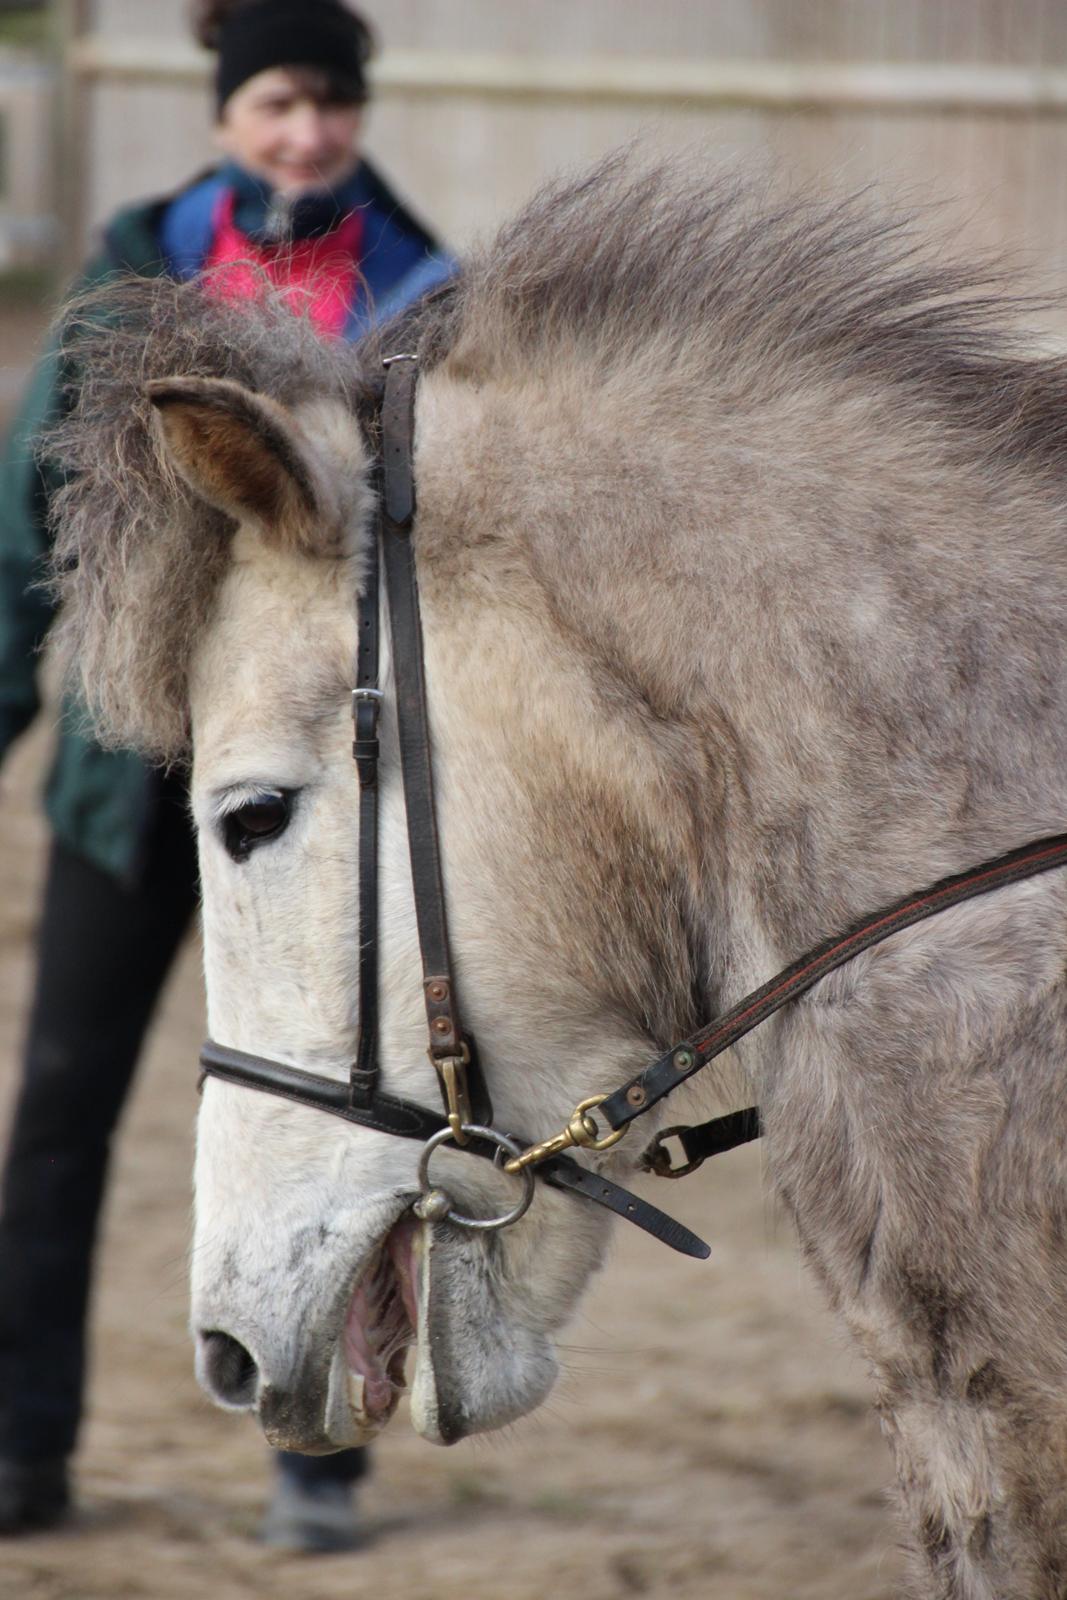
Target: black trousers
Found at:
103, 956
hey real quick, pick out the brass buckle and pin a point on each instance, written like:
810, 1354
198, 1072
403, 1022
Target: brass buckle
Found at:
452, 1071
581, 1132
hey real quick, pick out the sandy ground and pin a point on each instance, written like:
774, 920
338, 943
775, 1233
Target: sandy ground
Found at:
711, 1439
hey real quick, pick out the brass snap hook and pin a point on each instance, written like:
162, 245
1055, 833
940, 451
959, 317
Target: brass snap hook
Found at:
581, 1132
452, 1071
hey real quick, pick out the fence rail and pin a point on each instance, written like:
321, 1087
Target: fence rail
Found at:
768, 85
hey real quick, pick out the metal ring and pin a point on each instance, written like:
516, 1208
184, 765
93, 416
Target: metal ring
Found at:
501, 1140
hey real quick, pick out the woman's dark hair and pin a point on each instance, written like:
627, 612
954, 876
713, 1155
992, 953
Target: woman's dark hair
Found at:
208, 17
338, 85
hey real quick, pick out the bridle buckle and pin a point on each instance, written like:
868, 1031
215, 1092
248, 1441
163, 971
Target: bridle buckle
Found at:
657, 1158
373, 696
366, 712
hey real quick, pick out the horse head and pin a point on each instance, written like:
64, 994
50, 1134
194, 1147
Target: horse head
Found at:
309, 1276
571, 863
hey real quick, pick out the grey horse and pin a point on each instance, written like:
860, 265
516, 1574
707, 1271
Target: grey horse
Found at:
742, 542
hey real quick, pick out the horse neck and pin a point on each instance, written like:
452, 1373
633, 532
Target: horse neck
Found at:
799, 634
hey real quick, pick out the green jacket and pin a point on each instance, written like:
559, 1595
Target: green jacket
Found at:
99, 801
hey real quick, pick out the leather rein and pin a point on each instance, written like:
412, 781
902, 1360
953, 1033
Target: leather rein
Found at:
467, 1114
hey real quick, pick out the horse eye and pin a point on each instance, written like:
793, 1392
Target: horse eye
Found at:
252, 824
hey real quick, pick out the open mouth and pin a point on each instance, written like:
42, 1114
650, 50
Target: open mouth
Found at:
380, 1327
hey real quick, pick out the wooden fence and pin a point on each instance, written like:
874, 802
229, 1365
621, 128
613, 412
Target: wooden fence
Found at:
962, 102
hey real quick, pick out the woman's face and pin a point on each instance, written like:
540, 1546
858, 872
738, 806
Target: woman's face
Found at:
279, 132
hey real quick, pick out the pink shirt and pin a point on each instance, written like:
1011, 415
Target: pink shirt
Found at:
318, 275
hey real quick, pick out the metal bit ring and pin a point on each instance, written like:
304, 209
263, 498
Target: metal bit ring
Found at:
428, 1192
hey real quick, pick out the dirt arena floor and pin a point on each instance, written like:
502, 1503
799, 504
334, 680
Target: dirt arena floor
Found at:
711, 1440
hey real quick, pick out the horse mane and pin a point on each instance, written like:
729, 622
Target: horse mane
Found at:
655, 271
722, 275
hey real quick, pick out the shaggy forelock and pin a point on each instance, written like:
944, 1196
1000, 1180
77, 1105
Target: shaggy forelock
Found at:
655, 271
137, 556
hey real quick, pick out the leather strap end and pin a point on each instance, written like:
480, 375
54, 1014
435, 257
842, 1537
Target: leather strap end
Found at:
563, 1173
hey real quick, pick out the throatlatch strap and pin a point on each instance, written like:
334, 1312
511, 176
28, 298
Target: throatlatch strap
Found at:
688, 1057
699, 1142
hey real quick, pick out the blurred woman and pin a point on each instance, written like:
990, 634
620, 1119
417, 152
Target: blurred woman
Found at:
295, 201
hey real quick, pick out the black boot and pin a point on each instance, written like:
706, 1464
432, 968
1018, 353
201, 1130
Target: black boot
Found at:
34, 1495
313, 1506
318, 1519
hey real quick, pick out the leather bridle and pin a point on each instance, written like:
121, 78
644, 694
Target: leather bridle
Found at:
467, 1115
467, 1110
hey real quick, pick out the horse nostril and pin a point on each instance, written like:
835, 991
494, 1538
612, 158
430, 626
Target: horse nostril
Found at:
227, 1371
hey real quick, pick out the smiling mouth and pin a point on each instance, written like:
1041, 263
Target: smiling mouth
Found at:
380, 1328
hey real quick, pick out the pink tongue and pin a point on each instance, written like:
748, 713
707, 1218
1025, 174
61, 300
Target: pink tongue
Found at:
377, 1391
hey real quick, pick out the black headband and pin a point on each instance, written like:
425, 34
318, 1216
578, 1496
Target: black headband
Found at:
292, 33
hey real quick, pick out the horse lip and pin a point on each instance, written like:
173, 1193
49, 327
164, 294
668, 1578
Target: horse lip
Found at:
304, 1417
316, 1409
431, 1411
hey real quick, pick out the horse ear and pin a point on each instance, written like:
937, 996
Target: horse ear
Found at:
242, 452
